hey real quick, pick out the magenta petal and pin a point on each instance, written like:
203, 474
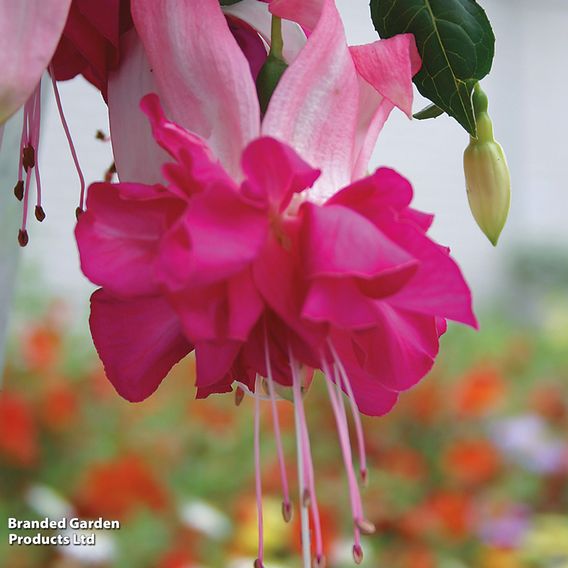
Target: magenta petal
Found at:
202, 75
213, 361
340, 242
274, 172
137, 340
119, 238
401, 349
226, 234
340, 302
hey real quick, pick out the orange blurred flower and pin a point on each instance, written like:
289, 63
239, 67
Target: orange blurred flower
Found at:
59, 407
18, 432
417, 556
404, 462
41, 347
423, 403
471, 462
481, 390
116, 488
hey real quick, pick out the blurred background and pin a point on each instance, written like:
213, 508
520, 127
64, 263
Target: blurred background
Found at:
470, 469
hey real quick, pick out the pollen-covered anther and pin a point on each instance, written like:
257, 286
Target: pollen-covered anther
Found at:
39, 213
78, 212
100, 135
306, 498
365, 526
19, 190
28, 157
23, 238
287, 511
239, 396
258, 563
357, 554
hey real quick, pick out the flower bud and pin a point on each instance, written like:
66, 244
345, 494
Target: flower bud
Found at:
487, 175
268, 78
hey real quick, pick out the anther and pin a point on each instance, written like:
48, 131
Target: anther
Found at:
258, 563
39, 213
23, 238
78, 212
287, 511
306, 498
28, 155
319, 562
364, 477
365, 526
357, 554
19, 190
110, 172
239, 395
100, 135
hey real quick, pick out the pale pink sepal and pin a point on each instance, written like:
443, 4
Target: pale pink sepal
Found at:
202, 75
317, 116
29, 33
136, 154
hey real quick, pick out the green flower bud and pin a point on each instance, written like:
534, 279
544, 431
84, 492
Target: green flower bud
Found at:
487, 175
268, 78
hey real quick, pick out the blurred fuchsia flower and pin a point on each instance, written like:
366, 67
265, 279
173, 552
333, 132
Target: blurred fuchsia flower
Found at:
257, 242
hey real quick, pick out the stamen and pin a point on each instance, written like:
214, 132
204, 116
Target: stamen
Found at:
286, 504
81, 207
29, 108
307, 457
354, 411
335, 397
39, 212
304, 517
258, 478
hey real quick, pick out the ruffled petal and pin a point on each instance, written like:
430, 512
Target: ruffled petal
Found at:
400, 349
138, 341
274, 172
29, 34
119, 238
202, 75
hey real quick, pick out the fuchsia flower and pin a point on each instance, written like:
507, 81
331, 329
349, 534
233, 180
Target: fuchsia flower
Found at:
258, 243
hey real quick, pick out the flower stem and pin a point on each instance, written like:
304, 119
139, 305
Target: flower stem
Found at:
276, 41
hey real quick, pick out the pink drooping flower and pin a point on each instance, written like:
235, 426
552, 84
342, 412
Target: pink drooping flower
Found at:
259, 243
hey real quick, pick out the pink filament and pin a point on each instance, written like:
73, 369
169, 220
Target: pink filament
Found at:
307, 456
354, 411
35, 142
258, 474
69, 139
276, 423
341, 421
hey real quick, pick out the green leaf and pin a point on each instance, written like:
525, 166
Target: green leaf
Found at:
455, 41
228, 2
431, 111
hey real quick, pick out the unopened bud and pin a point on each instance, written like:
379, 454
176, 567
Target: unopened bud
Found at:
488, 181
268, 78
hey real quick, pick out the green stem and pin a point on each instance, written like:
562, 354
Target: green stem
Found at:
276, 41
